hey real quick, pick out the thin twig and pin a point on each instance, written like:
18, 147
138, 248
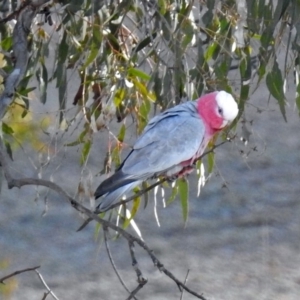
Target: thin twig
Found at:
16, 273
105, 231
185, 281
135, 291
46, 285
140, 277
45, 295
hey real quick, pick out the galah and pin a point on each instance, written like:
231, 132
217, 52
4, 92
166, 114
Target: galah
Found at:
169, 144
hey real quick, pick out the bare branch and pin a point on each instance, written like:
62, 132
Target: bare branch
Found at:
13, 182
45, 295
185, 281
46, 286
140, 278
112, 261
17, 272
135, 291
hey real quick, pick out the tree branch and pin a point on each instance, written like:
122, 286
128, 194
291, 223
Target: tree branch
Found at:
17, 272
140, 278
26, 14
185, 281
49, 291
105, 231
13, 182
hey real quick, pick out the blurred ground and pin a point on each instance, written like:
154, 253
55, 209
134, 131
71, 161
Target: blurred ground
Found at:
242, 241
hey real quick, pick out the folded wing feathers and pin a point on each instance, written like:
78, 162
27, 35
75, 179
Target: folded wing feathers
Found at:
158, 149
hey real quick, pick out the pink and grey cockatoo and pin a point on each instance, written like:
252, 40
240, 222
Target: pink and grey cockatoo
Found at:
169, 144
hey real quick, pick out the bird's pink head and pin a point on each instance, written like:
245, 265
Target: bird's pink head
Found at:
217, 110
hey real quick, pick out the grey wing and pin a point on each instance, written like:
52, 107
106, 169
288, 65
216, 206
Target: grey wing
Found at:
172, 140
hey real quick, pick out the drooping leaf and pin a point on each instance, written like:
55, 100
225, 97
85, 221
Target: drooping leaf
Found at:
183, 189
42, 78
134, 210
63, 49
210, 162
92, 56
7, 129
79, 140
173, 195
144, 43
119, 96
85, 151
188, 30
121, 134
9, 150
275, 83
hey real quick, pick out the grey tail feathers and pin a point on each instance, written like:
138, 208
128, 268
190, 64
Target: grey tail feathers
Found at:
112, 197
113, 188
112, 183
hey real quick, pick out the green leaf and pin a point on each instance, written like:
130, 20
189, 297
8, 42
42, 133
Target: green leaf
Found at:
298, 98
85, 152
97, 33
188, 31
9, 150
210, 162
121, 134
7, 43
144, 43
183, 189
173, 195
212, 51
92, 55
63, 49
162, 6
115, 156
62, 89
275, 86
80, 139
138, 73
42, 78
113, 42
119, 96
143, 113
7, 129
134, 210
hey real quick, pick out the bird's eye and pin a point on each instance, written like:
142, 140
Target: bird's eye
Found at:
220, 110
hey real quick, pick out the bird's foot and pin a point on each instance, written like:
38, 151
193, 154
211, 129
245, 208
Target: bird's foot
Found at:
184, 172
